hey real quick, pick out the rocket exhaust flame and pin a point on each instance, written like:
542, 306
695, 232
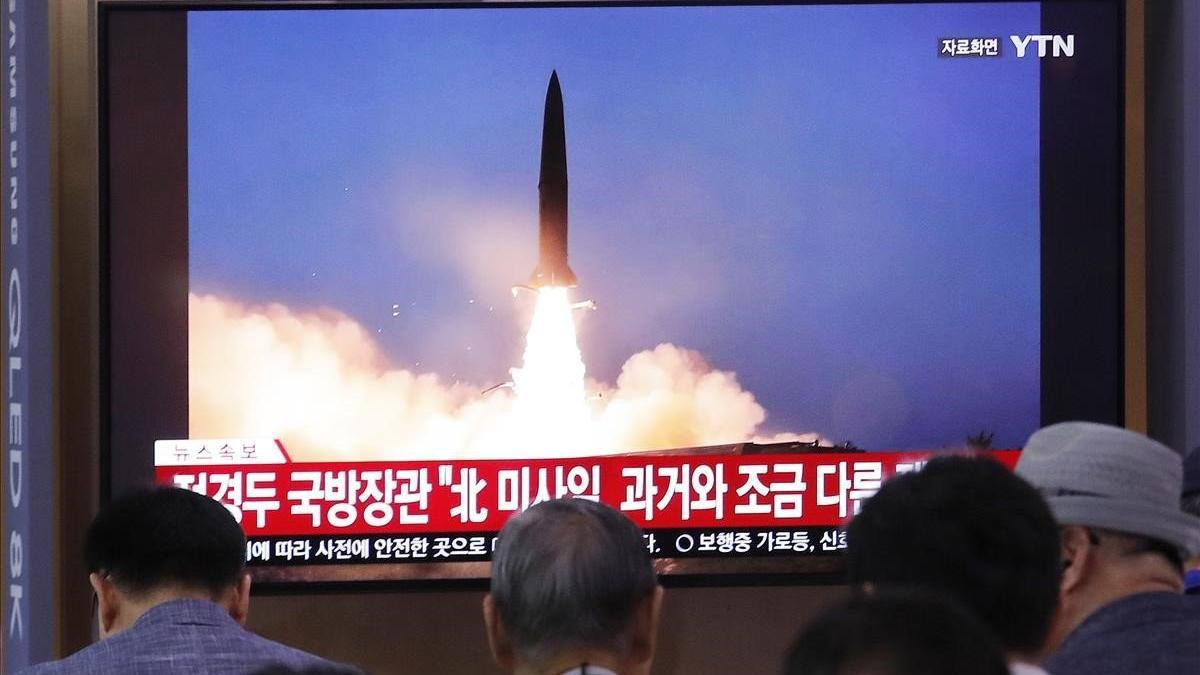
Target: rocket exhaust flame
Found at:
551, 402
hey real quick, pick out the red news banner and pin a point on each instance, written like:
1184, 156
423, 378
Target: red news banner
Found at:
275, 498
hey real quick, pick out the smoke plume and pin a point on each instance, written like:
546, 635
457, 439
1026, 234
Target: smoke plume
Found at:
318, 381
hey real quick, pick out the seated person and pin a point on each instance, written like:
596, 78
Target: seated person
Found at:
970, 528
1123, 540
896, 632
573, 592
172, 594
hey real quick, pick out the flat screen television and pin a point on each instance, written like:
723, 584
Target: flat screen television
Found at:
379, 276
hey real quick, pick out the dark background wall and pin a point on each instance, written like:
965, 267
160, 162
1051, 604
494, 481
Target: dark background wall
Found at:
704, 630
1173, 220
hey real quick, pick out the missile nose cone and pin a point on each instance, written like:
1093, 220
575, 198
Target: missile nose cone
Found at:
554, 137
554, 91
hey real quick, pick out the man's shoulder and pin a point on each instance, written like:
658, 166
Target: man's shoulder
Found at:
224, 648
1158, 612
1146, 633
249, 655
79, 662
282, 658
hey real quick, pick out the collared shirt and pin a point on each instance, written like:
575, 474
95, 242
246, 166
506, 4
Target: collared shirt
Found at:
585, 669
1022, 668
188, 636
1146, 633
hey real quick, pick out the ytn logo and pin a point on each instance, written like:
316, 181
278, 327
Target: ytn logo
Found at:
1063, 45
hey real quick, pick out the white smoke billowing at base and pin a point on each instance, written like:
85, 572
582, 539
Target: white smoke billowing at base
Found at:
319, 382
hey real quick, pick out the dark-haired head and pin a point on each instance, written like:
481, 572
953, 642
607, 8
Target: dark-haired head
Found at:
896, 632
157, 544
166, 537
571, 577
971, 528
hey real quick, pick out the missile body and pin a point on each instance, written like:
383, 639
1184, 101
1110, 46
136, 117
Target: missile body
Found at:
552, 268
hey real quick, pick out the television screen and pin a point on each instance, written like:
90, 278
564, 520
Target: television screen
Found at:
725, 268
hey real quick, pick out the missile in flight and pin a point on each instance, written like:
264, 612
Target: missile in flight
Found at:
552, 268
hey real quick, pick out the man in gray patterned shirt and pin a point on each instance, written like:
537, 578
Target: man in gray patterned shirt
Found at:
171, 593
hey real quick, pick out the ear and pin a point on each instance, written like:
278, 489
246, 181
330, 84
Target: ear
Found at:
108, 603
1078, 558
645, 627
239, 603
501, 648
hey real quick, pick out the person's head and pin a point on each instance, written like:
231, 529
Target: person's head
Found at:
1115, 494
151, 546
970, 528
896, 632
572, 582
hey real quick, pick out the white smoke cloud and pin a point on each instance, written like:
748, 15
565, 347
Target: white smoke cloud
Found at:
670, 397
318, 381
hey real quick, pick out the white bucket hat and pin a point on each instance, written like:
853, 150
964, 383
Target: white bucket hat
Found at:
1108, 477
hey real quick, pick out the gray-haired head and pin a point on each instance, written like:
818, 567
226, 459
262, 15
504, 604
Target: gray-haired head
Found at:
1096, 475
569, 574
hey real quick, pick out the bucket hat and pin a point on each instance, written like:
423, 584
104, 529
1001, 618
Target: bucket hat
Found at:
1102, 476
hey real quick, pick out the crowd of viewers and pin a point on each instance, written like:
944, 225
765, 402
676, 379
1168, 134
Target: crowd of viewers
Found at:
1076, 562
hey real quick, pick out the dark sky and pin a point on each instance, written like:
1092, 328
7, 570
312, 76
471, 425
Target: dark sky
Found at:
808, 196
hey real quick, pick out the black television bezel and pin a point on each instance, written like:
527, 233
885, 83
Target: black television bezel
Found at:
1082, 184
